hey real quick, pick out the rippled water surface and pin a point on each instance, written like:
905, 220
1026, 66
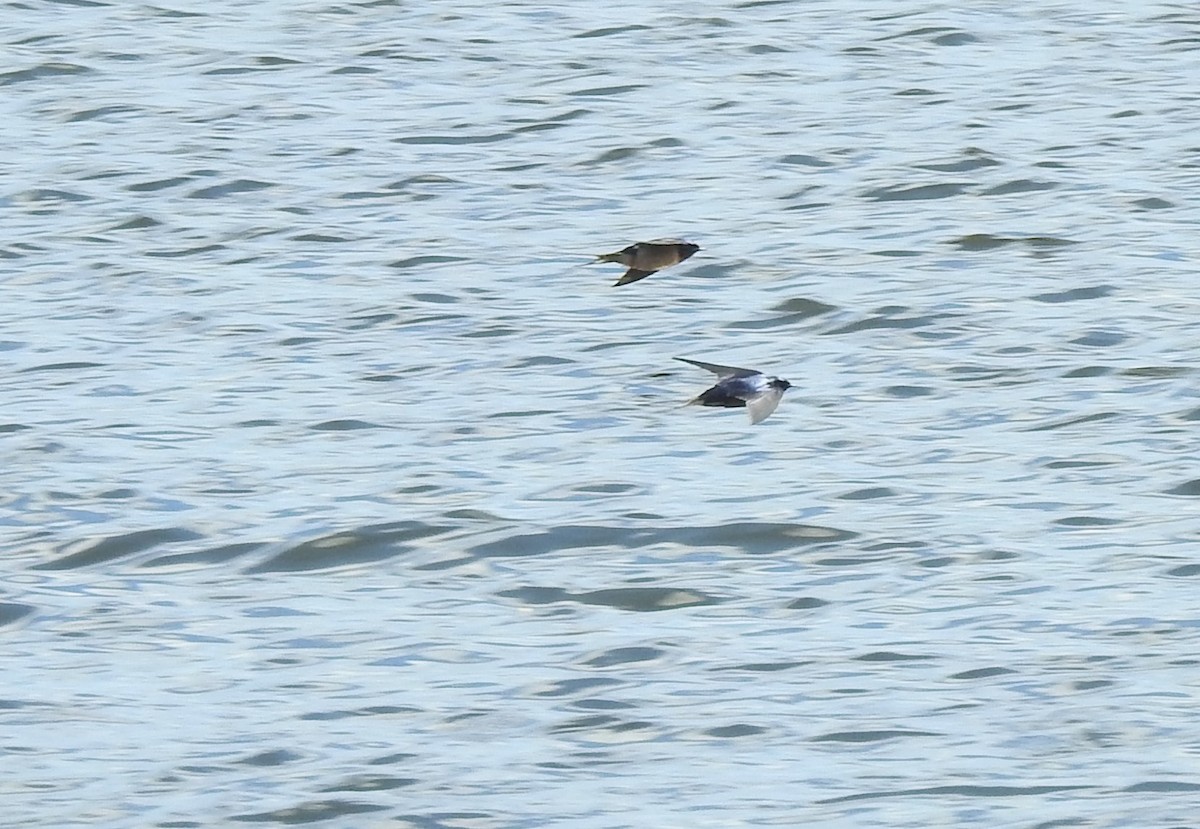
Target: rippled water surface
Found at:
340, 488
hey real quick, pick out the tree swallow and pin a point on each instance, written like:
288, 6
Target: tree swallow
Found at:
738, 387
645, 258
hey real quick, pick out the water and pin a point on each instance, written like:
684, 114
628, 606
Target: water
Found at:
340, 489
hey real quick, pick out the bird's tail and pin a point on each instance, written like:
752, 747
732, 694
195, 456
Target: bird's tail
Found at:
608, 257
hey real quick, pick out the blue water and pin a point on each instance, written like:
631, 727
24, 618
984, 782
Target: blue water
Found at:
340, 488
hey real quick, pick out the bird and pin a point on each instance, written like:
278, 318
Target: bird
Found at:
738, 387
645, 258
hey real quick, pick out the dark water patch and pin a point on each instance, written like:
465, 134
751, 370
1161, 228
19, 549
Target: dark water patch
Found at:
869, 736
745, 536
270, 759
136, 223
892, 656
541, 127
311, 812
349, 425
982, 241
610, 30
258, 423
1163, 786
973, 792
319, 238
1185, 571
364, 322
454, 140
294, 341
117, 547
624, 656
1047, 242
1087, 521
100, 113
1080, 463
353, 713
985, 374
1074, 294
179, 253
43, 195
13, 611
9, 428
852, 562
264, 64
1074, 421
889, 317
573, 687
370, 783
493, 332
606, 91
599, 722
763, 667
424, 178
391, 759
937, 562
730, 732
915, 92
158, 184
1189, 489
985, 241
919, 193
1023, 185
1087, 371
541, 360
868, 494
609, 156
922, 32
1156, 372
1153, 204
806, 603
436, 299
638, 599
793, 311
955, 39
1100, 339
229, 188
909, 392
805, 160
430, 259
974, 160
41, 72
359, 546
216, 555
982, 673
1191, 415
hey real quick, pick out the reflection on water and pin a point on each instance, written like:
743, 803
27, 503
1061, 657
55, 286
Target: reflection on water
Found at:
341, 489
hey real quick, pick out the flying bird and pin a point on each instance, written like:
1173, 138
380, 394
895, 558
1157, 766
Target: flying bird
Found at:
645, 258
738, 387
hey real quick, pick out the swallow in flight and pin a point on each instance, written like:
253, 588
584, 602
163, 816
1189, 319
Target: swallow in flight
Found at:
737, 387
645, 258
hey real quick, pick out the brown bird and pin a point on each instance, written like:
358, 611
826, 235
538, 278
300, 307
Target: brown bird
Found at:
645, 258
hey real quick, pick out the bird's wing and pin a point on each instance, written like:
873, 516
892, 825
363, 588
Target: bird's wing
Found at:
632, 275
762, 404
721, 371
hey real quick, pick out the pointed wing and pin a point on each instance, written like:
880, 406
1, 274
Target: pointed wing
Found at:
632, 275
762, 404
722, 371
